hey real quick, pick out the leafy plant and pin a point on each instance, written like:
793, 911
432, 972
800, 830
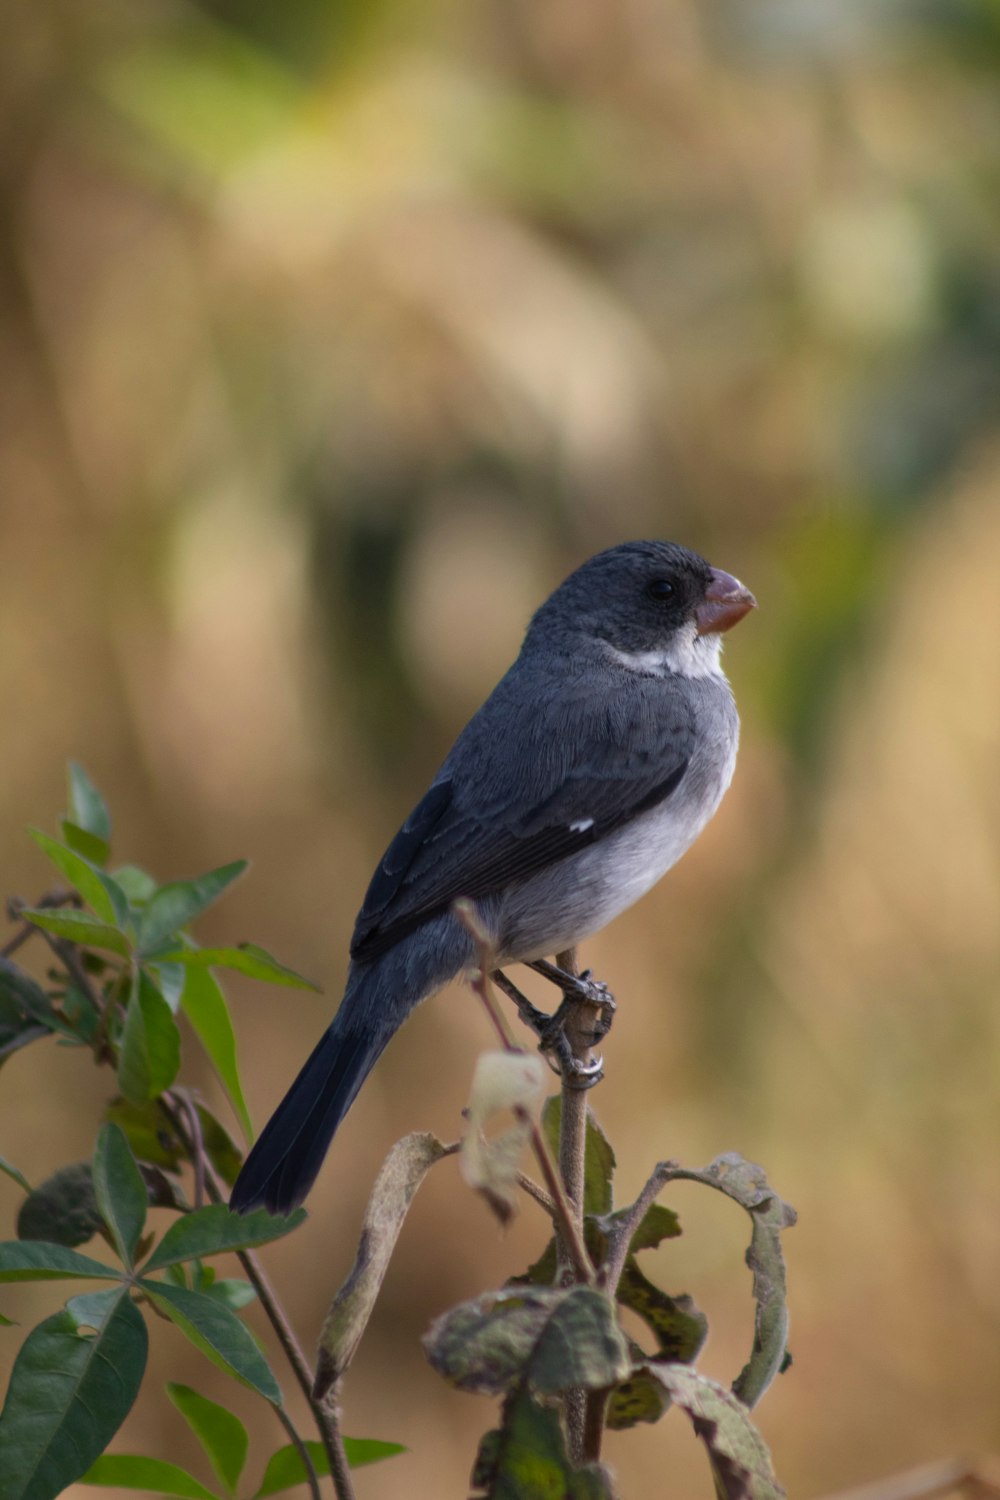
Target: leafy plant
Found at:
559, 1344
126, 969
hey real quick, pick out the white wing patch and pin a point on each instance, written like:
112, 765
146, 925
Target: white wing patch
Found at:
581, 825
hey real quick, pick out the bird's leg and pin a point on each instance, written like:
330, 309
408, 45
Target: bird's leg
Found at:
579, 987
582, 1019
536, 1019
553, 1042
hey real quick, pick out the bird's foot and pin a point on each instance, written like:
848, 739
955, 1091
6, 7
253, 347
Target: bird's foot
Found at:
553, 1043
582, 988
556, 1046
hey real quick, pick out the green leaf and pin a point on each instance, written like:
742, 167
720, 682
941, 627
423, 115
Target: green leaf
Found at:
24, 992
148, 1130
129, 1471
638, 1398
150, 1053
246, 958
63, 1210
747, 1185
484, 1346
24, 1006
87, 808
738, 1454
393, 1191
101, 893
599, 1161
137, 884
362, 1451
93, 1309
581, 1345
81, 1015
78, 927
175, 905
11, 1171
657, 1224
218, 1333
222, 1435
527, 1460
169, 980
204, 1005
68, 1395
120, 1191
223, 1152
83, 842
231, 1290
215, 1229
679, 1326
285, 1468
36, 1260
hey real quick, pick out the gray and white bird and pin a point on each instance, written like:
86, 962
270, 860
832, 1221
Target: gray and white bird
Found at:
593, 765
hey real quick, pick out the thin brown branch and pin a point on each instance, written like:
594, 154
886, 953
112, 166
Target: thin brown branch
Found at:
21, 936
530, 1186
340, 1469
584, 1413
298, 1443
28, 929
327, 1421
68, 955
198, 1148
625, 1227
568, 1229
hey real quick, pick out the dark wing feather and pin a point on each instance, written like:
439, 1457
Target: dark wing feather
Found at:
520, 776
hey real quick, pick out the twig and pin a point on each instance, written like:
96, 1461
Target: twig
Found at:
340, 1471
327, 1422
198, 1151
69, 957
21, 936
568, 1229
584, 1411
14, 908
530, 1186
573, 1108
298, 1443
621, 1237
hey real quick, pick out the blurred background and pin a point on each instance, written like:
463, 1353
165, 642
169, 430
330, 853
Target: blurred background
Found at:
332, 336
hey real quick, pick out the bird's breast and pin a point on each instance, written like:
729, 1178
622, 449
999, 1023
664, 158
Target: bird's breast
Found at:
570, 900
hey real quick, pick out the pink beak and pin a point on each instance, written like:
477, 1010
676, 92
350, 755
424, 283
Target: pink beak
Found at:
726, 602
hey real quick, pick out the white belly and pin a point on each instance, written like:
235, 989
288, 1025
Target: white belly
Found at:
567, 902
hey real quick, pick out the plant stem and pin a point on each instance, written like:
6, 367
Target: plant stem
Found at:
582, 1416
625, 1228
326, 1419
27, 929
312, 1479
568, 1221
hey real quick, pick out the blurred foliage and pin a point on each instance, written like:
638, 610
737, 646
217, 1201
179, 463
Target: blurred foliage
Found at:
331, 336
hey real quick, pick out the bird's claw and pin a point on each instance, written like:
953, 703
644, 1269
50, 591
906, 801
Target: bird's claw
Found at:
583, 988
553, 1042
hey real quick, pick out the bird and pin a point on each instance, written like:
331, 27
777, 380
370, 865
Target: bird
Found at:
590, 769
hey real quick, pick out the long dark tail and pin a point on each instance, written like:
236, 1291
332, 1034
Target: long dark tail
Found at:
289, 1152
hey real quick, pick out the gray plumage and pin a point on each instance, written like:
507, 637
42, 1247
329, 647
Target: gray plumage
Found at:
594, 764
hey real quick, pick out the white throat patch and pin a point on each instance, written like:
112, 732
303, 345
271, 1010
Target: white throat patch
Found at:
688, 655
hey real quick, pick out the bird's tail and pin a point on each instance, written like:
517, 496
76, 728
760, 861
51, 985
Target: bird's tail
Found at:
289, 1152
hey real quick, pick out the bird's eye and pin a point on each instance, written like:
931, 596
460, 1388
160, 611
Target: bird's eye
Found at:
660, 589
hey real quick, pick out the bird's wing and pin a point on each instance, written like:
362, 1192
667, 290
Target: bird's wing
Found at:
530, 781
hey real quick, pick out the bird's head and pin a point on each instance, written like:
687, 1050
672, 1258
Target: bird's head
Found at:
649, 606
